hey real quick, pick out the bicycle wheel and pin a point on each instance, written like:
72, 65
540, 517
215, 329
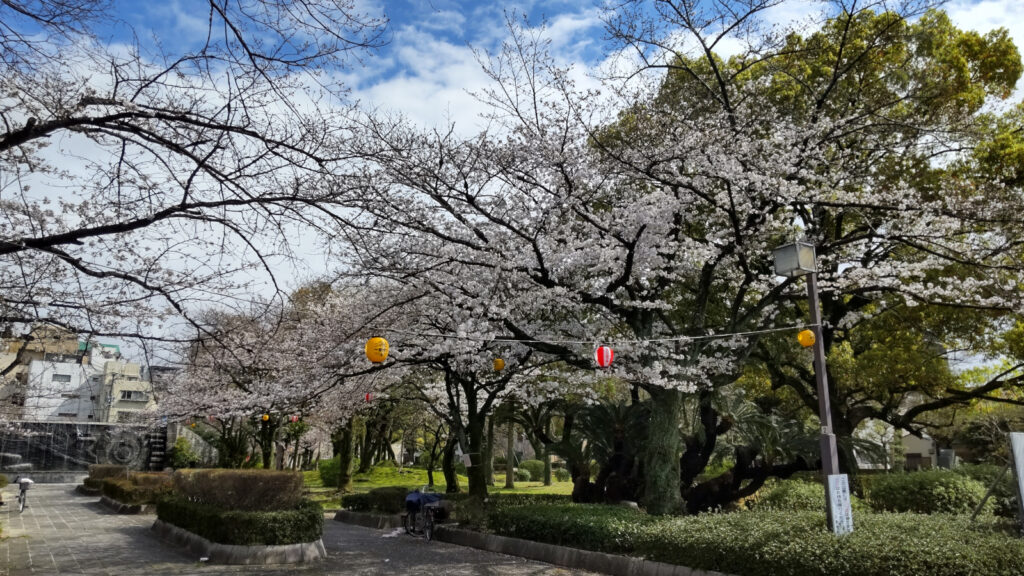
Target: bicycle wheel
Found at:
410, 520
428, 525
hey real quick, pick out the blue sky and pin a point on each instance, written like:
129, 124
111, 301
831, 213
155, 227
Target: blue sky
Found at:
428, 69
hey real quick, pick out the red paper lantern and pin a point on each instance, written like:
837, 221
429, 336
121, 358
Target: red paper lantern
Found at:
368, 397
604, 356
294, 418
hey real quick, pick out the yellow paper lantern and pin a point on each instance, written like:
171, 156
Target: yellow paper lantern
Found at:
499, 364
266, 417
806, 338
377, 350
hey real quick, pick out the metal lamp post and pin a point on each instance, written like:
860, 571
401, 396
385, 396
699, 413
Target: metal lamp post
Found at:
791, 261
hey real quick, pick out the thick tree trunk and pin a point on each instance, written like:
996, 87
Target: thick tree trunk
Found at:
345, 447
366, 451
489, 452
475, 470
510, 478
661, 457
451, 478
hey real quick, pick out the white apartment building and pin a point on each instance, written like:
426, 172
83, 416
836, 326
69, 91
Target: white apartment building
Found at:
59, 388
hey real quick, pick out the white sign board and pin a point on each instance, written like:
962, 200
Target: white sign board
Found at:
840, 511
1017, 452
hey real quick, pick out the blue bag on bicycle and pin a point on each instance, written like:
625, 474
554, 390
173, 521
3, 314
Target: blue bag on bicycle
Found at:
415, 500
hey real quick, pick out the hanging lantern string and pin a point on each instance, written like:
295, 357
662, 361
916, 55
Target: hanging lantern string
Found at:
592, 340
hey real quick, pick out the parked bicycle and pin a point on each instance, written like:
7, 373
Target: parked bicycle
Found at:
23, 485
422, 511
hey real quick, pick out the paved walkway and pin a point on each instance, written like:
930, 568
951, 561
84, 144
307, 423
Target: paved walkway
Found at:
62, 532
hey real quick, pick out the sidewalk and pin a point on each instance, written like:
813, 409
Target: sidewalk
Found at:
62, 532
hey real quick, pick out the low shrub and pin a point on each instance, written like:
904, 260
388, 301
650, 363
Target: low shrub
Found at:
796, 495
138, 489
927, 492
93, 483
761, 543
104, 471
562, 475
3, 481
536, 468
231, 489
383, 500
513, 499
1004, 494
522, 475
182, 454
300, 523
330, 472
611, 529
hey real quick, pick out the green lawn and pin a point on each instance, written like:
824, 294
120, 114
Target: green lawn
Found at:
414, 478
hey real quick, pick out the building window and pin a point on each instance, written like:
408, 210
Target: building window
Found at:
62, 377
67, 414
134, 396
70, 396
123, 416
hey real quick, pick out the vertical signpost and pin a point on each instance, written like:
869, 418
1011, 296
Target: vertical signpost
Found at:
791, 261
1017, 453
840, 511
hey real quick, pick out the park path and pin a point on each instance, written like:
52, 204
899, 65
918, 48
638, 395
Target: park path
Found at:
62, 532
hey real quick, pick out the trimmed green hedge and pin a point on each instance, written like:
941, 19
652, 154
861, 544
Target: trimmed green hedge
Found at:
93, 483
927, 492
796, 495
232, 489
304, 523
138, 489
777, 542
104, 471
384, 500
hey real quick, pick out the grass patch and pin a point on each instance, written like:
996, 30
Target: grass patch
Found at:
384, 476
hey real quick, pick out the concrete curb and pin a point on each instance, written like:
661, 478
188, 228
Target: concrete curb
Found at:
550, 553
234, 554
122, 508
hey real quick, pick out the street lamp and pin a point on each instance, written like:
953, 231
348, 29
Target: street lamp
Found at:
791, 261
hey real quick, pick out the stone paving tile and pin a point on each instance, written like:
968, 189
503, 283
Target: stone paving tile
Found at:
62, 532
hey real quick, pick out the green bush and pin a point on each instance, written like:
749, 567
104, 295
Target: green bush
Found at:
522, 475
104, 471
1004, 494
330, 472
927, 492
383, 500
231, 489
138, 489
761, 543
536, 468
610, 529
514, 499
562, 475
3, 481
796, 495
93, 483
182, 454
301, 523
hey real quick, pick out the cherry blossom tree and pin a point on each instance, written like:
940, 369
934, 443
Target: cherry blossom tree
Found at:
655, 231
144, 180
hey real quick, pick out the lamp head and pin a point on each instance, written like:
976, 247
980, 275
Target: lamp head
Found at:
796, 259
